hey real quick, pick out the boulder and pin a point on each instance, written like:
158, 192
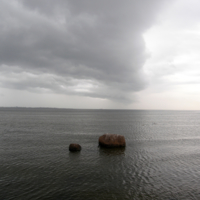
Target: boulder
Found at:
112, 140
74, 147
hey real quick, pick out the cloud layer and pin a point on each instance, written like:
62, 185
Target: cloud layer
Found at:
88, 48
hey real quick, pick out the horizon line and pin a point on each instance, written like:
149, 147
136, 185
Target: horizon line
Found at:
32, 107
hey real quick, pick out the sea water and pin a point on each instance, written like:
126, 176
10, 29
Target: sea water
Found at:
161, 159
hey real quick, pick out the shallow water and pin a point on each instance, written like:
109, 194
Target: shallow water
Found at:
161, 159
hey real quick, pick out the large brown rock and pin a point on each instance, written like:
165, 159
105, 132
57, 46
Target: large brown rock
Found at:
74, 147
112, 140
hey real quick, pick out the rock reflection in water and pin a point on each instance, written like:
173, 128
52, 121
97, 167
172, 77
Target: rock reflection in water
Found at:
112, 151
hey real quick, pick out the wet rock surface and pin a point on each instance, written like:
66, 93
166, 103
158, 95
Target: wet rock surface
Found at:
74, 147
112, 140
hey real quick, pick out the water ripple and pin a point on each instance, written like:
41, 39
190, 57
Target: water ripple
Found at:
160, 161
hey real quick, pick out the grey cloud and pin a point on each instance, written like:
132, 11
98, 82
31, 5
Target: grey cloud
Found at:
98, 42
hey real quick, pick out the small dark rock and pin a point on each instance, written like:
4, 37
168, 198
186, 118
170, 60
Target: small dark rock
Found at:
74, 147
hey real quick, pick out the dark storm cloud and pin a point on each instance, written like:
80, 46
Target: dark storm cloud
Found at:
91, 48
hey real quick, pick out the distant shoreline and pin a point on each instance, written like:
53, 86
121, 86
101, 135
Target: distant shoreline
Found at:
103, 109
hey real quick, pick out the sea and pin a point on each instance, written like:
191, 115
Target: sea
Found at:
161, 160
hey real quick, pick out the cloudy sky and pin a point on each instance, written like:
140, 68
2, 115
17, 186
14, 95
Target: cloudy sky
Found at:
100, 54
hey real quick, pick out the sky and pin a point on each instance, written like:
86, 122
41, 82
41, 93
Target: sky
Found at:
100, 54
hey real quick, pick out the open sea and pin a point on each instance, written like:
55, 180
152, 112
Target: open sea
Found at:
161, 159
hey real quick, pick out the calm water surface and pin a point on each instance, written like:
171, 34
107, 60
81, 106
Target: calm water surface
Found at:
161, 159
